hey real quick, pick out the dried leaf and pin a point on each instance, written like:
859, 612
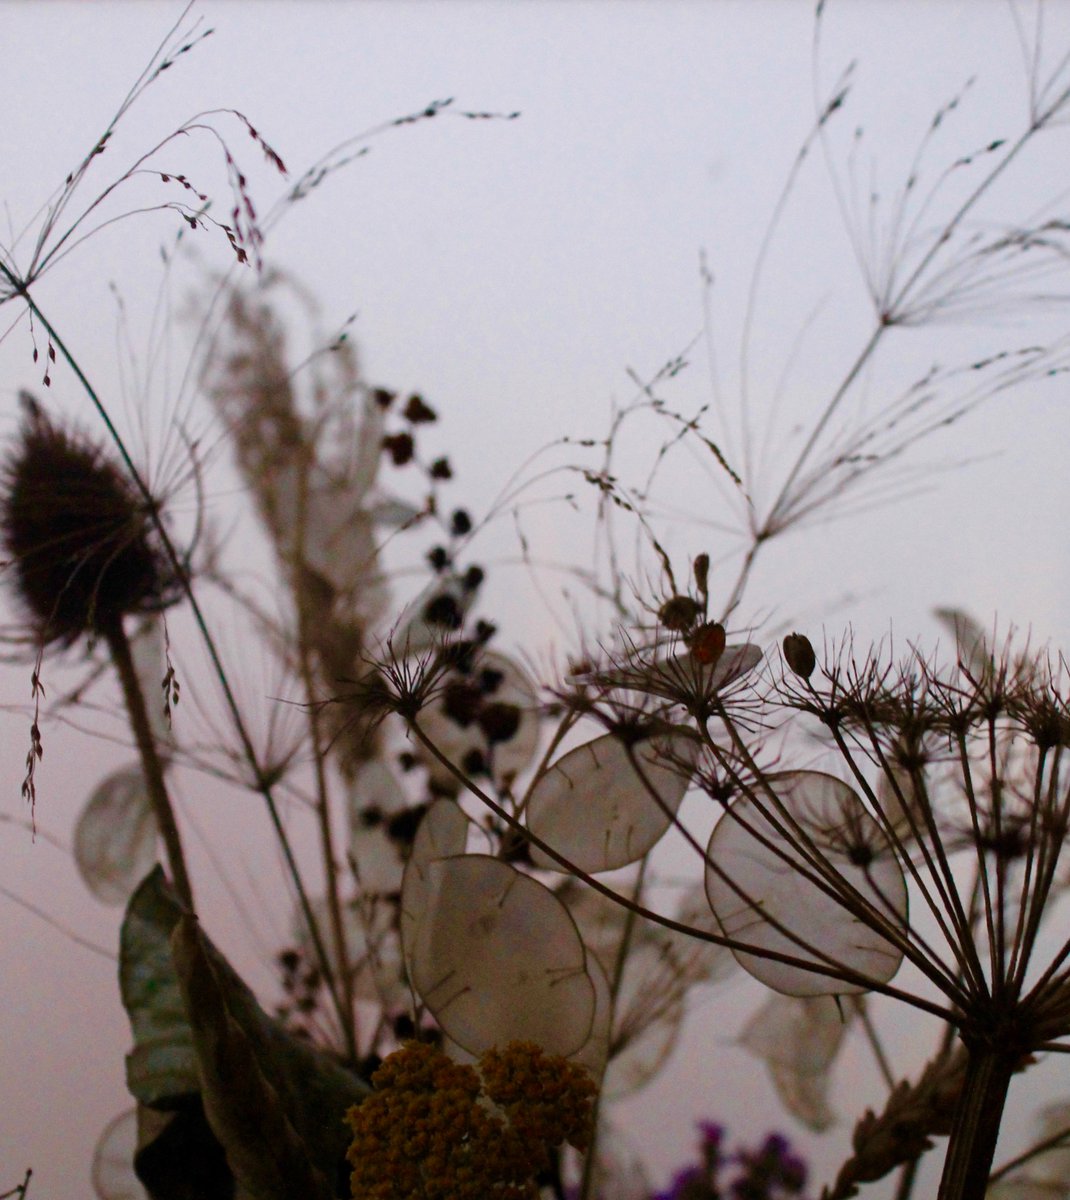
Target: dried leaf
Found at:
661, 967
373, 949
913, 1115
1047, 1175
799, 1038
594, 1053
646, 1026
163, 1070
442, 833
619, 1172
971, 641
148, 648
690, 672
1023, 1188
162, 1065
375, 795
268, 1158
485, 718
393, 513
338, 541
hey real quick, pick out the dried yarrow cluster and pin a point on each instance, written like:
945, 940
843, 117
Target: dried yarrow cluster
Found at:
435, 1129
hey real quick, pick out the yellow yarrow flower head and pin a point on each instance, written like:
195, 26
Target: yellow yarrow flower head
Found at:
434, 1129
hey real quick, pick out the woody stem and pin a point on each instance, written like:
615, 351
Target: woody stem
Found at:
151, 763
978, 1116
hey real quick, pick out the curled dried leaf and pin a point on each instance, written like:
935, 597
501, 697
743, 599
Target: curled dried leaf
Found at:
799, 1039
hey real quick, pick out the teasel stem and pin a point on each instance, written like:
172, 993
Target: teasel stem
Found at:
20, 288
975, 1130
151, 763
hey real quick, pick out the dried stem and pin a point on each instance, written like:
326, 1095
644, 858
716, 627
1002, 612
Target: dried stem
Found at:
151, 764
978, 1115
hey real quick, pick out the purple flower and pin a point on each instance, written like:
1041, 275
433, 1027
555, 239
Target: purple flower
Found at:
771, 1172
689, 1184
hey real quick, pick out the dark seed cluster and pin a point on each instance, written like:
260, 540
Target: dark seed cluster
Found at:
77, 535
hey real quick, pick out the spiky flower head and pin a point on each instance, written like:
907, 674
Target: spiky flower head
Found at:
78, 536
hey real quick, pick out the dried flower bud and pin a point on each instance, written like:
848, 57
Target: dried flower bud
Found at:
79, 534
707, 643
799, 655
679, 613
418, 411
400, 447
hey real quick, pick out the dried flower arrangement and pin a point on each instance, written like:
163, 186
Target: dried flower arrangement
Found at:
490, 964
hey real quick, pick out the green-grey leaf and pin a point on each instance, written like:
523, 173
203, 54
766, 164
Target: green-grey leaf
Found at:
162, 1065
314, 1090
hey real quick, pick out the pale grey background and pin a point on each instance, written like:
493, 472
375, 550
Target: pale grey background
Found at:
512, 271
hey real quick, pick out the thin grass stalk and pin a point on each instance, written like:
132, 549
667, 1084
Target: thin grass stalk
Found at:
978, 842
323, 822
1033, 895
870, 1030
590, 1158
999, 964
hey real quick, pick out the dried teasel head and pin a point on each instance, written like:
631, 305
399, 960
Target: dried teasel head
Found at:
78, 535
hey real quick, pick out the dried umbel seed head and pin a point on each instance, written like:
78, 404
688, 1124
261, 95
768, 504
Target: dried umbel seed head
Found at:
78, 536
799, 655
